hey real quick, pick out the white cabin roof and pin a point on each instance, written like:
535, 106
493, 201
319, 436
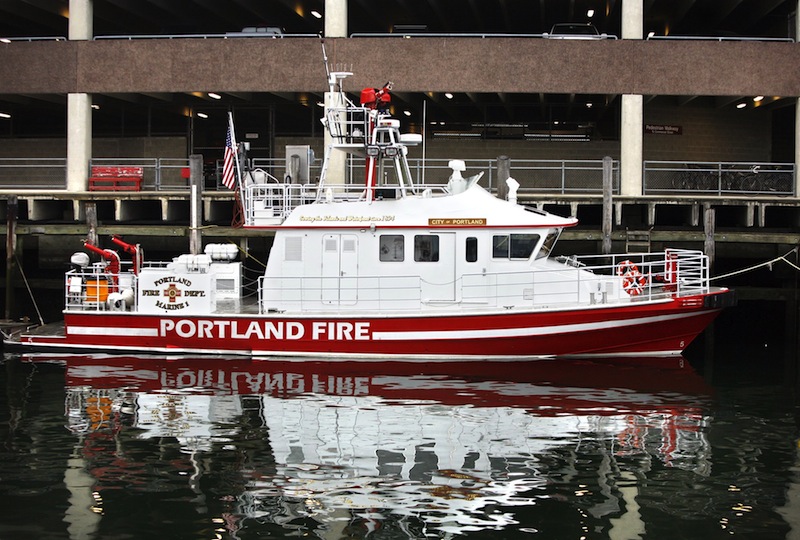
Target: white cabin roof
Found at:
474, 207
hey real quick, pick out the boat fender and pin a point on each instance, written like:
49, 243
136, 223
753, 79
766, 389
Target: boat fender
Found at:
79, 260
115, 302
127, 296
633, 282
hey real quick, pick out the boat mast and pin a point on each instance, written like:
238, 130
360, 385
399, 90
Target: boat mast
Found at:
376, 103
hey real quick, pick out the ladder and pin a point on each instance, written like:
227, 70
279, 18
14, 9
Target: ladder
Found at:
637, 241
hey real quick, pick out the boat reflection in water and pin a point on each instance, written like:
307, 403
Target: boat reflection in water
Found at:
441, 447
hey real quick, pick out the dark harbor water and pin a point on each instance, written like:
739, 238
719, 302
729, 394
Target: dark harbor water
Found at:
125, 447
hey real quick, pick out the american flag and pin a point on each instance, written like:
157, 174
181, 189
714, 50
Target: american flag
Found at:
228, 177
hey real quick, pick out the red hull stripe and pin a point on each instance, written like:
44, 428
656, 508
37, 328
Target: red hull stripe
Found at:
534, 331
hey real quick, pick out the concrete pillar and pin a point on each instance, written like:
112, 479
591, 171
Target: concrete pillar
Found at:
79, 106
79, 141
335, 18
337, 160
335, 26
80, 20
632, 19
632, 124
631, 149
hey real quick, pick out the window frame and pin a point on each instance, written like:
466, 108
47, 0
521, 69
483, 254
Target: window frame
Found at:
389, 242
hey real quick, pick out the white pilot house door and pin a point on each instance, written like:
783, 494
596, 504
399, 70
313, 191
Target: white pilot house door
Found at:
339, 283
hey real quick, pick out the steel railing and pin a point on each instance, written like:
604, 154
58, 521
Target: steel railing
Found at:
399, 34
94, 289
534, 176
160, 174
585, 280
33, 173
719, 38
719, 178
582, 280
557, 177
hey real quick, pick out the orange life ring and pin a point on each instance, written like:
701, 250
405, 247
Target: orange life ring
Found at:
627, 266
633, 282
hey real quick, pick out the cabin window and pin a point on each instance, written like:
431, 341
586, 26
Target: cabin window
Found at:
392, 248
472, 249
513, 246
547, 245
426, 248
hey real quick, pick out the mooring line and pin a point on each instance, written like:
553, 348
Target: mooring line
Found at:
30, 292
761, 265
244, 253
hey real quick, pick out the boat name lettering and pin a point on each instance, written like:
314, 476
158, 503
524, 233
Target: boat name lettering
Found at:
194, 293
433, 222
172, 279
262, 383
171, 307
347, 218
290, 330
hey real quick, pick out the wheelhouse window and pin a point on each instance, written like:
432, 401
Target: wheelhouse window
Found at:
547, 245
513, 246
392, 248
472, 249
426, 248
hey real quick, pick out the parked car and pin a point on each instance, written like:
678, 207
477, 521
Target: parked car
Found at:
574, 31
259, 31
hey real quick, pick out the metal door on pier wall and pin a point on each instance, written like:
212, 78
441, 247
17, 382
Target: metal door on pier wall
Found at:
339, 283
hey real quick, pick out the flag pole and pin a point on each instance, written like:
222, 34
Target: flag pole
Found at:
238, 199
236, 151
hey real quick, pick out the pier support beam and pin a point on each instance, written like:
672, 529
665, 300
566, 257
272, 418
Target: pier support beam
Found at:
91, 223
503, 174
196, 203
11, 248
608, 209
651, 214
709, 227
750, 213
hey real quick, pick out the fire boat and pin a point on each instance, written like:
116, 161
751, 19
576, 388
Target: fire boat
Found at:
385, 268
